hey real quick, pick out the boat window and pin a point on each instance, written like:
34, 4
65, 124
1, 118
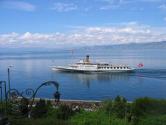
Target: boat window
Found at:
107, 67
114, 67
120, 67
117, 67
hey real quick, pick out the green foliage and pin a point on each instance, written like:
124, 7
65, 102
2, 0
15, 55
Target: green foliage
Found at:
64, 112
107, 106
2, 107
133, 112
49, 103
117, 121
118, 107
24, 106
148, 106
153, 120
40, 109
39, 121
96, 118
143, 111
90, 118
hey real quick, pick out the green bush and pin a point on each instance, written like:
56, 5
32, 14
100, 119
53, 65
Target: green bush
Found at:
64, 112
24, 106
39, 121
96, 118
40, 109
148, 106
143, 111
153, 120
117, 107
90, 118
107, 106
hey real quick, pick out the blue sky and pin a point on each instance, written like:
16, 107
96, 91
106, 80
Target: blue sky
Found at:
55, 23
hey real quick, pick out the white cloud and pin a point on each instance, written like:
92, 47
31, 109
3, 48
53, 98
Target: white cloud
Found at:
18, 5
131, 1
122, 34
114, 1
164, 18
154, 1
64, 7
163, 6
116, 4
108, 7
111, 4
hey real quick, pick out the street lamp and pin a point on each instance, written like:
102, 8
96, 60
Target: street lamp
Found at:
3, 117
14, 95
8, 70
1, 89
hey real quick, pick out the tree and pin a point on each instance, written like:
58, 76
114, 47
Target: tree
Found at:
24, 106
40, 109
107, 106
119, 107
64, 112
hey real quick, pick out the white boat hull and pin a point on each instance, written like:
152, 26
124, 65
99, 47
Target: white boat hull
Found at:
65, 69
87, 66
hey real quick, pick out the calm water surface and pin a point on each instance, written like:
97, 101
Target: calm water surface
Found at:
31, 69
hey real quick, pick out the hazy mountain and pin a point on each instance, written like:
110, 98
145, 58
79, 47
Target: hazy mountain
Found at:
138, 46
152, 45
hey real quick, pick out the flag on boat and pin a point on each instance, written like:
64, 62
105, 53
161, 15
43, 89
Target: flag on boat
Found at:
140, 65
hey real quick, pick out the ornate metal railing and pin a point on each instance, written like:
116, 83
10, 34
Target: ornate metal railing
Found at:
13, 98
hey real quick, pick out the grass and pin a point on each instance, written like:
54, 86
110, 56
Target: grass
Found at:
153, 120
96, 118
143, 111
39, 121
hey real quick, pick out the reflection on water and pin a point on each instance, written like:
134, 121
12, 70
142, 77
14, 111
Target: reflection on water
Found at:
145, 82
29, 71
89, 78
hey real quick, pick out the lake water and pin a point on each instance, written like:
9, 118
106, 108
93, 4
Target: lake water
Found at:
30, 69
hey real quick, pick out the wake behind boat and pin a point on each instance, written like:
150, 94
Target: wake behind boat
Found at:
87, 66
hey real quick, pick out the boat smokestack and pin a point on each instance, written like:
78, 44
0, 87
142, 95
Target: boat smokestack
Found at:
87, 58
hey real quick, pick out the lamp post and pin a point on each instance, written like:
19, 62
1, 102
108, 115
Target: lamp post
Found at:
8, 70
29, 94
1, 103
1, 87
1, 91
48, 83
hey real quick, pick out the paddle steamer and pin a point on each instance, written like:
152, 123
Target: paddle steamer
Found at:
86, 65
